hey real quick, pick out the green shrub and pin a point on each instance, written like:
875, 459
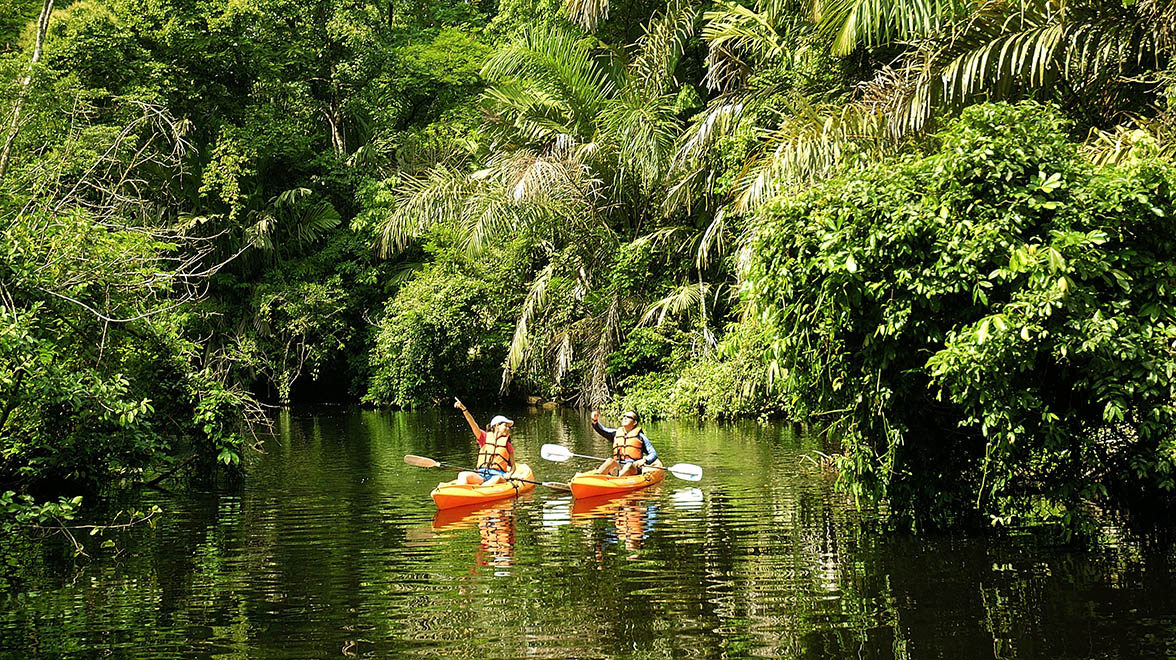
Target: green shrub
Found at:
724, 385
439, 336
85, 399
990, 325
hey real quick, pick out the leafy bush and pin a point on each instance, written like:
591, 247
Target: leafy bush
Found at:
991, 325
439, 336
297, 327
95, 380
724, 385
645, 350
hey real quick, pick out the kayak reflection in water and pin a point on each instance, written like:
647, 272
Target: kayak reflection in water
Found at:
633, 518
495, 451
496, 530
630, 448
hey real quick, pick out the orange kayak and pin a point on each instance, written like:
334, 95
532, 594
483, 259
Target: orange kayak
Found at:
449, 494
590, 484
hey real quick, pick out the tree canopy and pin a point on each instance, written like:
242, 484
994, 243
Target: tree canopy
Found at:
935, 230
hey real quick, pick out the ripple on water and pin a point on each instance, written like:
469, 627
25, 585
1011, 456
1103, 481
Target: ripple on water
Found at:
332, 548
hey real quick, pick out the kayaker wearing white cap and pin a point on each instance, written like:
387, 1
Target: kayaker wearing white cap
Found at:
495, 452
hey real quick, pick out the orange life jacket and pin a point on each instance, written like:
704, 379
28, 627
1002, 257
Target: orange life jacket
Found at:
628, 445
494, 452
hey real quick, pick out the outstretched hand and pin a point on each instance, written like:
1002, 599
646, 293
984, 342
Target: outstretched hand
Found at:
595, 417
458, 404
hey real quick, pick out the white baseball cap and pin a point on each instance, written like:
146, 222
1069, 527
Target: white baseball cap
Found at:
499, 419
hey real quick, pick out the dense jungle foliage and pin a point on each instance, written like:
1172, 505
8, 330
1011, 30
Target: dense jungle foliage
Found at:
937, 230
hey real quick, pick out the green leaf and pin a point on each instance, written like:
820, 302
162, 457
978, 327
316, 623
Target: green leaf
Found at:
1056, 261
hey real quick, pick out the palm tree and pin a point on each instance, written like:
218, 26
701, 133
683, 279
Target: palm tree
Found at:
581, 140
1103, 61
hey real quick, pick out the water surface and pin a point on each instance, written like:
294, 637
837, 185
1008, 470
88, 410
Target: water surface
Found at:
332, 548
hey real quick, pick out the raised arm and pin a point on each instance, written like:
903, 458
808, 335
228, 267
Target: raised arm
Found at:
468, 417
604, 431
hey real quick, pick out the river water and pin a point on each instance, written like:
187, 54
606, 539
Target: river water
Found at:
332, 548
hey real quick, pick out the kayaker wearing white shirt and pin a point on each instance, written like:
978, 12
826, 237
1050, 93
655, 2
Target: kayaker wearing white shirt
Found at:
495, 452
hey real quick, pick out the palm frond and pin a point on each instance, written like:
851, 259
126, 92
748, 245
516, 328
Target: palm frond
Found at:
488, 215
737, 38
688, 187
555, 179
565, 354
607, 336
561, 65
808, 146
713, 241
847, 24
721, 118
586, 13
656, 53
292, 196
670, 237
315, 222
423, 202
691, 174
685, 300
1139, 139
1076, 51
1003, 49
643, 131
531, 114
520, 343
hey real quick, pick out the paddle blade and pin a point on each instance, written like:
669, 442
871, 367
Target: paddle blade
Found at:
556, 485
421, 461
687, 471
555, 453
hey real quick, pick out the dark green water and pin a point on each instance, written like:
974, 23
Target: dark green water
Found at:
331, 549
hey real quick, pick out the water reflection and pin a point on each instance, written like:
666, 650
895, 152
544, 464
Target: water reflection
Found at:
495, 523
633, 516
688, 498
333, 548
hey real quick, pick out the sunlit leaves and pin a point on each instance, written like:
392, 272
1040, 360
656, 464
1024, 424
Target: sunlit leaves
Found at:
1028, 324
582, 139
1099, 59
848, 24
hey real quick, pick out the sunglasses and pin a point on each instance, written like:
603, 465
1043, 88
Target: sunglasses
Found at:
628, 417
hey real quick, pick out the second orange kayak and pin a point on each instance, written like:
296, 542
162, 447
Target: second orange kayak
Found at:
450, 494
590, 484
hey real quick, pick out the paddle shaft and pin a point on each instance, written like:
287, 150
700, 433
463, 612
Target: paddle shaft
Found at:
597, 458
680, 470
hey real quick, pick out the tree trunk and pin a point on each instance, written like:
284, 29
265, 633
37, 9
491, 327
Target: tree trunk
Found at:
14, 125
333, 120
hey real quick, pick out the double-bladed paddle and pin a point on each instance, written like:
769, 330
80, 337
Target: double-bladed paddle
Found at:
687, 471
421, 461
